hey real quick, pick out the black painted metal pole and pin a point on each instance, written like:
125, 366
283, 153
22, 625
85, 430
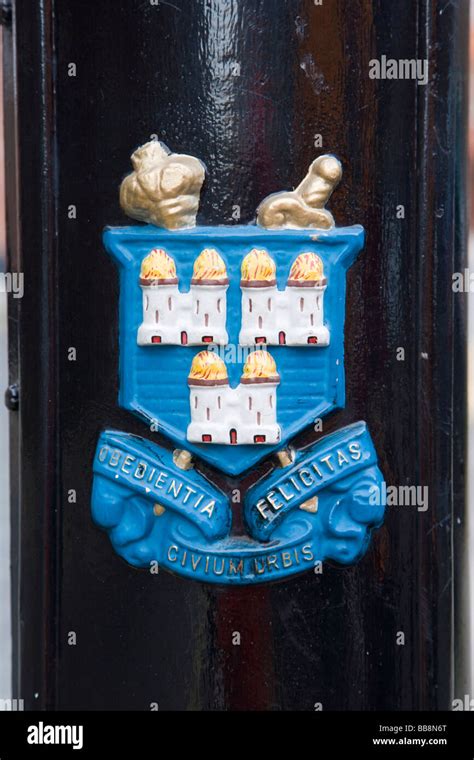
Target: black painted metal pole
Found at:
256, 89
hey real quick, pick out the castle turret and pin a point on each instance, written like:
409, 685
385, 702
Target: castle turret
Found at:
305, 298
258, 399
159, 283
225, 415
209, 389
208, 299
259, 299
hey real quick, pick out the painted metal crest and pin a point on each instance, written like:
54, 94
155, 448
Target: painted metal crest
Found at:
232, 342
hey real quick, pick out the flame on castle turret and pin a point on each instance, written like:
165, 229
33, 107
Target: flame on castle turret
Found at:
209, 269
158, 269
260, 367
208, 368
258, 269
307, 270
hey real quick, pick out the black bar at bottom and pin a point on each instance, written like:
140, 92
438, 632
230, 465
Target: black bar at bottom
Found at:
420, 734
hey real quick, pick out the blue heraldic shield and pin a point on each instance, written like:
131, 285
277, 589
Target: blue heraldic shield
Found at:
159, 332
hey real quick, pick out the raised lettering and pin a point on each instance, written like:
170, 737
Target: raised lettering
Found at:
173, 557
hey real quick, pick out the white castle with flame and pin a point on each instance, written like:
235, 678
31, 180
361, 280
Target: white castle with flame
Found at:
246, 414
172, 317
294, 316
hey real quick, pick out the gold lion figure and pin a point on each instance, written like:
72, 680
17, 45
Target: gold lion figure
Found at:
304, 206
164, 188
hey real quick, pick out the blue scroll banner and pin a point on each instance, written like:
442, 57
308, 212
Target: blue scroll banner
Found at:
322, 507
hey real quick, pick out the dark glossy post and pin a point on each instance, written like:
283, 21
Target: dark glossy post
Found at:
248, 86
